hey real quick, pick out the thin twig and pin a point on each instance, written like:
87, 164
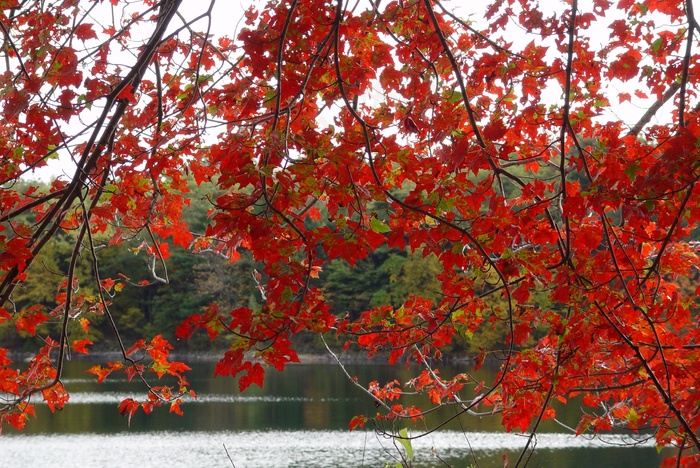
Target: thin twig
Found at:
229, 456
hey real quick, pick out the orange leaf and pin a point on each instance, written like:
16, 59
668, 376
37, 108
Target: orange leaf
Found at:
80, 346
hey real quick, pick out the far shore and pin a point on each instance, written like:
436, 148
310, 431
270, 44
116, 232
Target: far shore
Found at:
304, 358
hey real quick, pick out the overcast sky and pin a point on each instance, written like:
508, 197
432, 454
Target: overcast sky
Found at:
226, 20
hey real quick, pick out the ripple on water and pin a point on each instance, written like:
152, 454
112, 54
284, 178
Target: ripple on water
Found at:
263, 448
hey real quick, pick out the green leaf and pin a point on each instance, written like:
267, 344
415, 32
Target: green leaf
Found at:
456, 97
406, 442
160, 368
83, 99
445, 204
656, 45
52, 153
632, 170
287, 294
378, 226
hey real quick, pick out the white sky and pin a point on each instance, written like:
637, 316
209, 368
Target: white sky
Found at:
226, 20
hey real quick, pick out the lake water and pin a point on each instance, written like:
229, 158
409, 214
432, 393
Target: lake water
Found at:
299, 419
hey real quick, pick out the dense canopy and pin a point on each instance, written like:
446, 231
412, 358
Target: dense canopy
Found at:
541, 156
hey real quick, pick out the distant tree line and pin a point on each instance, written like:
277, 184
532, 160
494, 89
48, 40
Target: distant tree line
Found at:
145, 306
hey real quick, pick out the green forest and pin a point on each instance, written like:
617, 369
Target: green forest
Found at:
149, 298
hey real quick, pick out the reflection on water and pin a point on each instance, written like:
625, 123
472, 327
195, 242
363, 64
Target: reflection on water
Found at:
292, 449
91, 398
298, 419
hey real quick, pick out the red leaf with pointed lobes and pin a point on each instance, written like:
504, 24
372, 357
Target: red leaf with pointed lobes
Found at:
30, 319
15, 254
495, 130
479, 359
80, 346
410, 125
128, 408
187, 328
84, 324
133, 370
626, 66
357, 422
140, 344
100, 372
175, 407
55, 397
84, 32
127, 94
19, 418
209, 321
314, 213
4, 315
254, 375
521, 332
230, 364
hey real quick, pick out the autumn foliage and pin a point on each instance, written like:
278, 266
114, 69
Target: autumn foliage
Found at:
546, 156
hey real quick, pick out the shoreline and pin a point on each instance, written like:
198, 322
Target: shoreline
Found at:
304, 358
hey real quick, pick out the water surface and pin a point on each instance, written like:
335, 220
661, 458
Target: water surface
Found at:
299, 419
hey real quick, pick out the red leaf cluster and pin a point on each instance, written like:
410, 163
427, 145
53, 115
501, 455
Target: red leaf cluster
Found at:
561, 217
